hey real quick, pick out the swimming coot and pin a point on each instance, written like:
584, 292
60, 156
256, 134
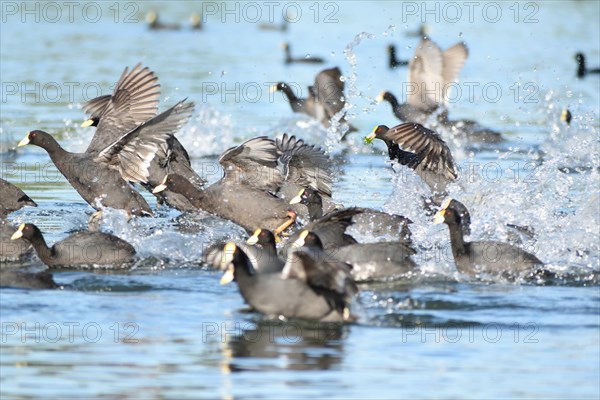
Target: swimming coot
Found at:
79, 249
12, 199
293, 60
324, 100
582, 70
484, 257
102, 179
134, 101
307, 288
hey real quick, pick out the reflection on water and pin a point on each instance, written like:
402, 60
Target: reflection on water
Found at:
290, 345
434, 334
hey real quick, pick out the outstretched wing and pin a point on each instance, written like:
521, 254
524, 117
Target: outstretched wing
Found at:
329, 91
432, 153
96, 106
134, 101
454, 61
253, 163
319, 271
331, 229
305, 165
132, 152
425, 76
215, 254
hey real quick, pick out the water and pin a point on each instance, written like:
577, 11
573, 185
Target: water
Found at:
167, 329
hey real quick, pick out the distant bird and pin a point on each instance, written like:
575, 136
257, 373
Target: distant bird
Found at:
266, 26
325, 98
581, 68
421, 32
565, 116
393, 61
307, 59
431, 73
155, 24
264, 244
196, 22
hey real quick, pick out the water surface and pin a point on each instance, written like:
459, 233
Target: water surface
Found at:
168, 329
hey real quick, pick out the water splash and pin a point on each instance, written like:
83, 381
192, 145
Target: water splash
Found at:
209, 133
539, 194
335, 133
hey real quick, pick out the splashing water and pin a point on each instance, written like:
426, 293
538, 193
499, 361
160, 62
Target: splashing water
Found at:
334, 134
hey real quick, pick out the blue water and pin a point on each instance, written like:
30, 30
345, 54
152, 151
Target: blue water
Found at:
168, 329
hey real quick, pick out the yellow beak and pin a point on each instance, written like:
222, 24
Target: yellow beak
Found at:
227, 276
298, 198
227, 258
254, 238
272, 88
19, 233
379, 98
24, 142
87, 123
300, 241
371, 136
438, 218
161, 187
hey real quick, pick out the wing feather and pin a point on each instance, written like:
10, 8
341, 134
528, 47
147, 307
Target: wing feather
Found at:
433, 153
134, 101
305, 165
132, 152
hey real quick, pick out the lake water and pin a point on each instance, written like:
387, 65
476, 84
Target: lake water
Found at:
168, 329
